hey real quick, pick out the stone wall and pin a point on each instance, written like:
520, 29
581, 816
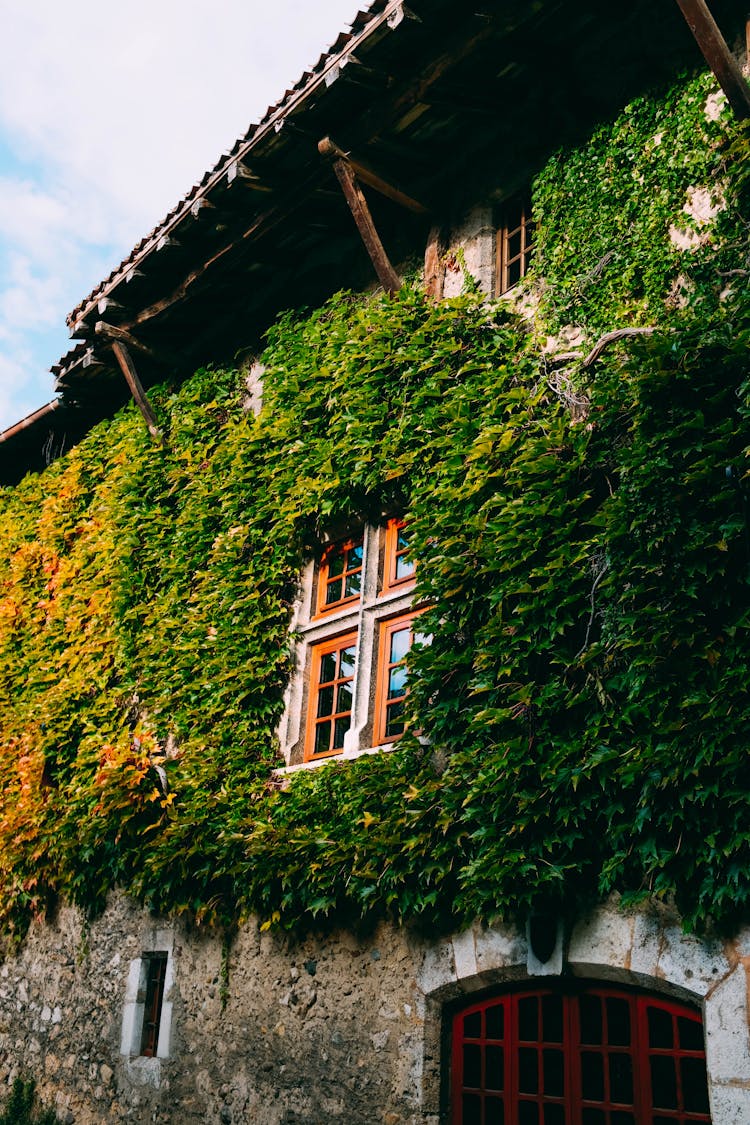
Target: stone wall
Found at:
333, 1028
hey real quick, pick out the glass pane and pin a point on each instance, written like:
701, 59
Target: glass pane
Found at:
399, 644
514, 244
355, 556
494, 1069
514, 273
473, 1025
322, 738
552, 1019
344, 702
471, 1109
592, 1076
394, 719
621, 1117
621, 1079
335, 563
553, 1073
554, 1115
528, 1070
663, 1082
659, 1028
528, 1019
494, 1020
402, 541
341, 726
528, 1113
353, 584
529, 234
328, 668
472, 1065
618, 1022
348, 656
325, 702
593, 1117
694, 1089
404, 567
494, 1112
591, 1019
691, 1034
397, 681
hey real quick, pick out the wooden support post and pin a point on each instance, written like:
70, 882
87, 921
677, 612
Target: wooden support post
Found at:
123, 357
387, 276
434, 264
717, 54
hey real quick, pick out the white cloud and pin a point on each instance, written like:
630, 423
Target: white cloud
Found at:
108, 115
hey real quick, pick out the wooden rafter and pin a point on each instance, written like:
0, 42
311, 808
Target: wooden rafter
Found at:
125, 360
354, 196
717, 54
366, 175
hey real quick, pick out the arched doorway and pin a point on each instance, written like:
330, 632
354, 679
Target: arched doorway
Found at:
578, 1054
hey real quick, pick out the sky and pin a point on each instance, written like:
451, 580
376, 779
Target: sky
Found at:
109, 113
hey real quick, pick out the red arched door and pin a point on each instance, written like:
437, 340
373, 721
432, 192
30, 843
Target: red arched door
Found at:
581, 1055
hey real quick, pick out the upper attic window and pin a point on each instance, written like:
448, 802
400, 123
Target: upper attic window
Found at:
515, 243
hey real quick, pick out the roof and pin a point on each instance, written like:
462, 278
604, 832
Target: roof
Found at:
448, 102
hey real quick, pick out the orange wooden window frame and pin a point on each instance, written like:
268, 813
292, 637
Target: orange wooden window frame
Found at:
392, 554
382, 702
318, 652
325, 579
517, 220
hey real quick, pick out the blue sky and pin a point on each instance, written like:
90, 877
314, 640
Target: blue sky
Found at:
108, 114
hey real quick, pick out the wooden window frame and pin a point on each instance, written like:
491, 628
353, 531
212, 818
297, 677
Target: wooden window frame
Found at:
391, 556
382, 672
317, 652
324, 579
516, 218
470, 1102
155, 967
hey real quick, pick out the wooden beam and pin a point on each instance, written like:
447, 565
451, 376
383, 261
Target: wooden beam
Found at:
329, 148
387, 276
112, 332
123, 357
717, 54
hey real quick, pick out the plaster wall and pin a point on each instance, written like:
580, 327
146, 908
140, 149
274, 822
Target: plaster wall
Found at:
332, 1028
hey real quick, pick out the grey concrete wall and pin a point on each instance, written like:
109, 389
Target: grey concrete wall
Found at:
333, 1028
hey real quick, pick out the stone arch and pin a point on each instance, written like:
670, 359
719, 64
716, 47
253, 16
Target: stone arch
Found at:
643, 947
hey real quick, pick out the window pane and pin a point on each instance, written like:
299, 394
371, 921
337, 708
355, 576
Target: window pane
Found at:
353, 583
592, 1076
471, 1106
621, 1079
618, 1022
472, 1065
659, 1028
473, 1025
341, 726
335, 563
691, 1034
394, 719
514, 244
694, 1088
355, 555
528, 1113
514, 273
528, 1019
494, 1066
663, 1082
399, 644
328, 668
344, 702
348, 657
404, 566
322, 738
553, 1073
494, 1021
591, 1019
528, 1070
552, 1021
554, 1115
593, 1117
494, 1111
397, 681
325, 702
620, 1117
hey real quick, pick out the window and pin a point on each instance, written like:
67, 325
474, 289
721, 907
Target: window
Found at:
331, 695
355, 623
580, 1055
515, 243
155, 965
340, 577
